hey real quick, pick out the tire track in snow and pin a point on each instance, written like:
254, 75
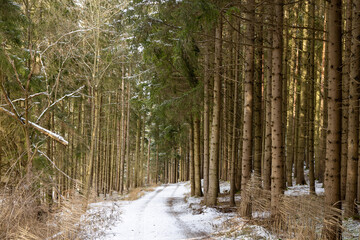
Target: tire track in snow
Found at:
187, 229
152, 197
140, 214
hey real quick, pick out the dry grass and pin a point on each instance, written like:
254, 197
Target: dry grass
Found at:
134, 194
138, 192
24, 215
299, 217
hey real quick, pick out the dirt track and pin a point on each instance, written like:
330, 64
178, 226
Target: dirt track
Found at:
153, 217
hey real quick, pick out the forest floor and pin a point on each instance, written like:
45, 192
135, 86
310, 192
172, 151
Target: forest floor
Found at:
168, 212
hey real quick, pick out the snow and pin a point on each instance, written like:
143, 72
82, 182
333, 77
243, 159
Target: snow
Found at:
351, 229
166, 213
170, 213
162, 214
299, 190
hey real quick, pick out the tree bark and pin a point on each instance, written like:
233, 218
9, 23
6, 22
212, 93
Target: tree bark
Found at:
353, 134
267, 156
333, 138
191, 160
245, 209
137, 152
234, 136
197, 177
213, 190
277, 185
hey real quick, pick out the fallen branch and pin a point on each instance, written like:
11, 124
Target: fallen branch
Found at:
48, 133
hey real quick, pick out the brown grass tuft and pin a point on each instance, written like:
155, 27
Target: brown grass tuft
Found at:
135, 194
25, 215
299, 217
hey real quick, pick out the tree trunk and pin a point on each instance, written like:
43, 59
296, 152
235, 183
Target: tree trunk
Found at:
148, 164
300, 135
137, 152
123, 132
353, 134
333, 138
267, 156
234, 136
277, 186
197, 177
213, 190
258, 102
157, 165
345, 100
323, 106
311, 99
245, 209
128, 165
191, 160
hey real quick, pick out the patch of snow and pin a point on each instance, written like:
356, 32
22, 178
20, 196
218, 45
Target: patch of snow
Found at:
224, 187
299, 190
351, 229
99, 217
261, 214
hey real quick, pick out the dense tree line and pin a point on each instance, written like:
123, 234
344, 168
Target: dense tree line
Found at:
103, 96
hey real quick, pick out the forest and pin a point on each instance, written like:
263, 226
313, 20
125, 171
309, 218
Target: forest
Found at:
104, 98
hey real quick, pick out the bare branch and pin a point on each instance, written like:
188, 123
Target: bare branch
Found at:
57, 101
66, 34
31, 96
43, 154
47, 132
8, 100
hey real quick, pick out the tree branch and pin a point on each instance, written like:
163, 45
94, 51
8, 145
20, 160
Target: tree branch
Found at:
47, 132
59, 100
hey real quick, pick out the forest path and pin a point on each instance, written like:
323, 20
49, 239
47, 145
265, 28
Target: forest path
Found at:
156, 216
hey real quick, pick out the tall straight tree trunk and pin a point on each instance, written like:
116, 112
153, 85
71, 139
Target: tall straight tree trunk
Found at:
223, 135
123, 132
267, 156
312, 99
345, 102
213, 189
89, 169
191, 160
345, 97
197, 177
277, 185
245, 209
148, 164
323, 105
234, 141
258, 102
157, 165
292, 126
142, 154
300, 135
118, 148
137, 152
128, 165
353, 134
333, 138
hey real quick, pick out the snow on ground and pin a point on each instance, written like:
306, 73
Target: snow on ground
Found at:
170, 213
167, 213
99, 217
299, 190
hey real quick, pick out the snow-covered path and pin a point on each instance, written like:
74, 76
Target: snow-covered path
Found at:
161, 214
